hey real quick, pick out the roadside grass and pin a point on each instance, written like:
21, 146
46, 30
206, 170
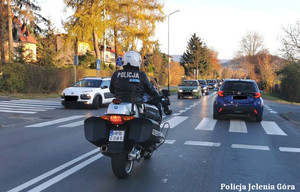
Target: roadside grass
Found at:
276, 97
30, 96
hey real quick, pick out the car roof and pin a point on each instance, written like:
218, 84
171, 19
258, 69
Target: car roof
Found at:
241, 80
100, 78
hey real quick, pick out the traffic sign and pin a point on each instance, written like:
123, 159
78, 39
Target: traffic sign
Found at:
98, 64
119, 61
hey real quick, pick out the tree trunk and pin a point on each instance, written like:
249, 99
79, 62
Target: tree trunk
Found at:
2, 28
95, 41
10, 34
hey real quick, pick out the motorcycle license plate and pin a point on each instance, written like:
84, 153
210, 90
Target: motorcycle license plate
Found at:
116, 135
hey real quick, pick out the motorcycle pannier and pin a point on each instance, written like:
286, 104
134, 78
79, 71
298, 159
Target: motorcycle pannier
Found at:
96, 131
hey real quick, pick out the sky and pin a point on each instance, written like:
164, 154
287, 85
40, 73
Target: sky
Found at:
221, 24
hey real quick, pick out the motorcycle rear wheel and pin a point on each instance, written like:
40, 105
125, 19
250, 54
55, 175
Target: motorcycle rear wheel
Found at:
120, 164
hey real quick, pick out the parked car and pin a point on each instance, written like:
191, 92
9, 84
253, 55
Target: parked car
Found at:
89, 91
204, 86
212, 83
189, 88
239, 97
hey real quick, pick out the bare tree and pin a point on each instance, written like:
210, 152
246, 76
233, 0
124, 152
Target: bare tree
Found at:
291, 42
251, 44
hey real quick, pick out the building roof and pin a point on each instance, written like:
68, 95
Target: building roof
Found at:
24, 34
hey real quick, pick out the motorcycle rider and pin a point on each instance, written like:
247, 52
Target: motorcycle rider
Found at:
121, 87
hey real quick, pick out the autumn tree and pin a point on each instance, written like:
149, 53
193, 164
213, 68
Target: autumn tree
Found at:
291, 42
251, 44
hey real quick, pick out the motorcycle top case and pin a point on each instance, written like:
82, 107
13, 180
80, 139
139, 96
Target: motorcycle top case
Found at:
96, 131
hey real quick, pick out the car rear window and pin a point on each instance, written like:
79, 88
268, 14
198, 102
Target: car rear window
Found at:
211, 81
239, 86
189, 83
202, 82
88, 83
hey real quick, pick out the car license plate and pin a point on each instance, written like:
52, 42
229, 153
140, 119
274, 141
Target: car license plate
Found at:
116, 135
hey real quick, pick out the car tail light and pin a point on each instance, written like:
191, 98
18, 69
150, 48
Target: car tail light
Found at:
257, 95
255, 111
116, 119
221, 93
220, 110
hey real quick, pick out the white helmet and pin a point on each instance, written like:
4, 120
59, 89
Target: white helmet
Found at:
133, 58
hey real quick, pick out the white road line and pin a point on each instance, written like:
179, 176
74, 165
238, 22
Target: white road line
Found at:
56, 121
271, 128
23, 112
29, 105
26, 107
75, 124
203, 143
255, 147
237, 126
176, 114
23, 109
182, 111
207, 124
65, 174
174, 121
273, 112
171, 142
289, 149
53, 171
33, 102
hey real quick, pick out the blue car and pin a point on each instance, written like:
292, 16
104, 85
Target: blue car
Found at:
239, 97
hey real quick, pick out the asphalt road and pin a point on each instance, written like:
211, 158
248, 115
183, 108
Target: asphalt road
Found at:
42, 148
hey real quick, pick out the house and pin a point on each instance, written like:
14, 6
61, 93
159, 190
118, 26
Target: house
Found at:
23, 38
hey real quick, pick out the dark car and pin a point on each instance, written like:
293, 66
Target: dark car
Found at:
212, 83
239, 97
189, 88
204, 86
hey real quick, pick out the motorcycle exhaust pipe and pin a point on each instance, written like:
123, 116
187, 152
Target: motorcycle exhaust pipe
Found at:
103, 148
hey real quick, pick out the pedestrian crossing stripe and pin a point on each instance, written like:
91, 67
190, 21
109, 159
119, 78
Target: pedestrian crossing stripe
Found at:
26, 106
57, 121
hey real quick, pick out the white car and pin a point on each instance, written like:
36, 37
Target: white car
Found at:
91, 91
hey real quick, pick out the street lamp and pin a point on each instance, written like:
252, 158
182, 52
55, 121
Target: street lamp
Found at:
169, 47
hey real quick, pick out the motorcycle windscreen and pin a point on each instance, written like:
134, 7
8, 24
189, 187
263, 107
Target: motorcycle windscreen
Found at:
96, 131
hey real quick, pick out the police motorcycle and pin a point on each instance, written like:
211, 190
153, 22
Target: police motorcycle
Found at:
128, 132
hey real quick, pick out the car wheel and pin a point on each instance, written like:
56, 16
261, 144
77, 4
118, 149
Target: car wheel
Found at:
207, 93
215, 116
96, 102
258, 118
178, 97
67, 106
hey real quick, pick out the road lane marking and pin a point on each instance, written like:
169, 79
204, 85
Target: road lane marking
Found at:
170, 142
203, 143
207, 124
23, 109
30, 104
254, 147
174, 121
289, 149
273, 111
56, 121
271, 128
24, 112
237, 126
33, 102
65, 174
53, 171
75, 124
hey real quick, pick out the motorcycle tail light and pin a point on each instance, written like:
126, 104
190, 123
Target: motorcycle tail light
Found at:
116, 119
257, 95
221, 93
255, 112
